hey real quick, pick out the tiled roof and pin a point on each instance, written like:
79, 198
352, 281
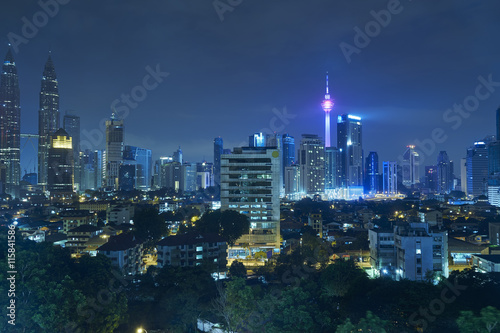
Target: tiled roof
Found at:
120, 242
191, 238
85, 228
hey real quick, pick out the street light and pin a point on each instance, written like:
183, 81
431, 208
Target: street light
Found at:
141, 330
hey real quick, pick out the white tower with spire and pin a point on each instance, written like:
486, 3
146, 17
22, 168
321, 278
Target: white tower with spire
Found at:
327, 106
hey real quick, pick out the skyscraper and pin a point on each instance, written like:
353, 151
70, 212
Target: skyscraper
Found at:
250, 185
141, 159
312, 164
411, 170
60, 162
218, 149
431, 178
71, 124
390, 178
332, 165
349, 143
257, 140
477, 169
327, 106
288, 154
114, 151
10, 124
444, 173
48, 118
372, 174
178, 155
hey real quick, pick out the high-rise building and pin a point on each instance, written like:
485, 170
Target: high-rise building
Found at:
60, 162
288, 152
390, 178
114, 151
71, 124
250, 185
204, 175
312, 164
177, 156
431, 178
10, 125
327, 106
332, 166
141, 159
257, 140
218, 150
445, 173
48, 118
477, 169
372, 173
127, 177
172, 175
190, 176
349, 143
411, 170
292, 179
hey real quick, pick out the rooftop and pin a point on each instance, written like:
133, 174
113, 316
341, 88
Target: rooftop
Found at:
191, 238
495, 258
120, 242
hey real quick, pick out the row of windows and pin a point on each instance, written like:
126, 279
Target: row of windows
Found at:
251, 176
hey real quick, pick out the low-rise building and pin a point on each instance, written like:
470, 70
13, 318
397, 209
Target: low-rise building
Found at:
433, 217
410, 252
120, 213
382, 252
486, 263
420, 250
125, 252
315, 221
192, 249
79, 236
75, 218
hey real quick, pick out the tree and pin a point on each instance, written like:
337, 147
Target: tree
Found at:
371, 323
229, 224
237, 269
149, 225
338, 278
487, 322
235, 305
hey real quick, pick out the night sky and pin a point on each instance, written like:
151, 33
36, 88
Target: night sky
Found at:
226, 76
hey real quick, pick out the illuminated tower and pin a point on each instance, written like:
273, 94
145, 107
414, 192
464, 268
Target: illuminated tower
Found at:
48, 119
411, 162
327, 106
60, 166
10, 122
349, 142
114, 151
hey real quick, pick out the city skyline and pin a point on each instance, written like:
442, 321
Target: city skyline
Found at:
409, 105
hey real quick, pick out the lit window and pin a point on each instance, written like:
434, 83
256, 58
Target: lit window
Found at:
419, 251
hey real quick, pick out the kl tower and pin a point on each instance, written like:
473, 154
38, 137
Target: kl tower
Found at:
327, 106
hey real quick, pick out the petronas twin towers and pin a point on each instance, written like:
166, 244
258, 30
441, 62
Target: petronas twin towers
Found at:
10, 127
10, 124
48, 119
